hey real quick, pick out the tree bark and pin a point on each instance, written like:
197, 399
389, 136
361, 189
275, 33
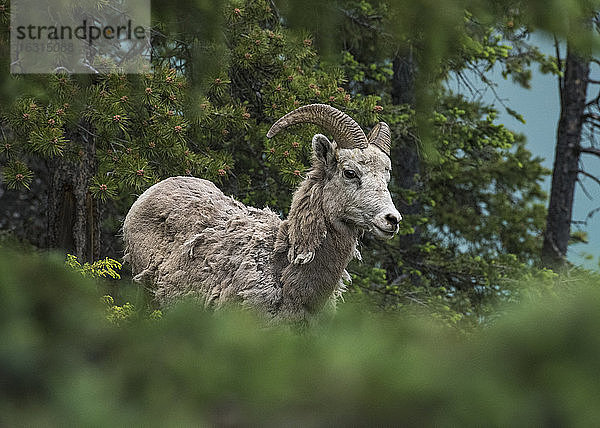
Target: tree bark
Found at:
403, 80
406, 155
406, 161
73, 214
573, 92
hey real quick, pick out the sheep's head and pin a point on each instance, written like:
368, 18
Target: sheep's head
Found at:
355, 168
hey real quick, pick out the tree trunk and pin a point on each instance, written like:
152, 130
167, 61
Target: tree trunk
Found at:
406, 161
403, 80
564, 176
73, 214
406, 155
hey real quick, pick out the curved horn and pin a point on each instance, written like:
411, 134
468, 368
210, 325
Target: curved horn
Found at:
345, 131
380, 135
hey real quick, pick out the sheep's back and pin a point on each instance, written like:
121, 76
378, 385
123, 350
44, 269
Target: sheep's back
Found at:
166, 214
183, 236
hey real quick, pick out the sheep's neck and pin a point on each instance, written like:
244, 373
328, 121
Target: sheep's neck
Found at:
312, 233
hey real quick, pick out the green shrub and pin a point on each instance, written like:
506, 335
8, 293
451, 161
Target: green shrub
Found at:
106, 268
61, 362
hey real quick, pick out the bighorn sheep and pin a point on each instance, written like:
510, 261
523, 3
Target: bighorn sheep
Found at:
184, 237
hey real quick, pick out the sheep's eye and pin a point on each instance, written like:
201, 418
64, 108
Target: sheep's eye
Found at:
349, 173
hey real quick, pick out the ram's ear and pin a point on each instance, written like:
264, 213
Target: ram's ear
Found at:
324, 149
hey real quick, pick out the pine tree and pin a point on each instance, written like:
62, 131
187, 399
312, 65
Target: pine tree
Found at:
269, 71
474, 209
108, 138
575, 138
103, 137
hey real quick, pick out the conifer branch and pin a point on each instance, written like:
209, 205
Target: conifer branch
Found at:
588, 175
590, 150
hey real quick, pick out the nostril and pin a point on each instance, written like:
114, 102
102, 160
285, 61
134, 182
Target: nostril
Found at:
392, 219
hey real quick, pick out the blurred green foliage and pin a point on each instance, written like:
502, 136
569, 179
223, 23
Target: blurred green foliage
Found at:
62, 362
431, 340
108, 268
